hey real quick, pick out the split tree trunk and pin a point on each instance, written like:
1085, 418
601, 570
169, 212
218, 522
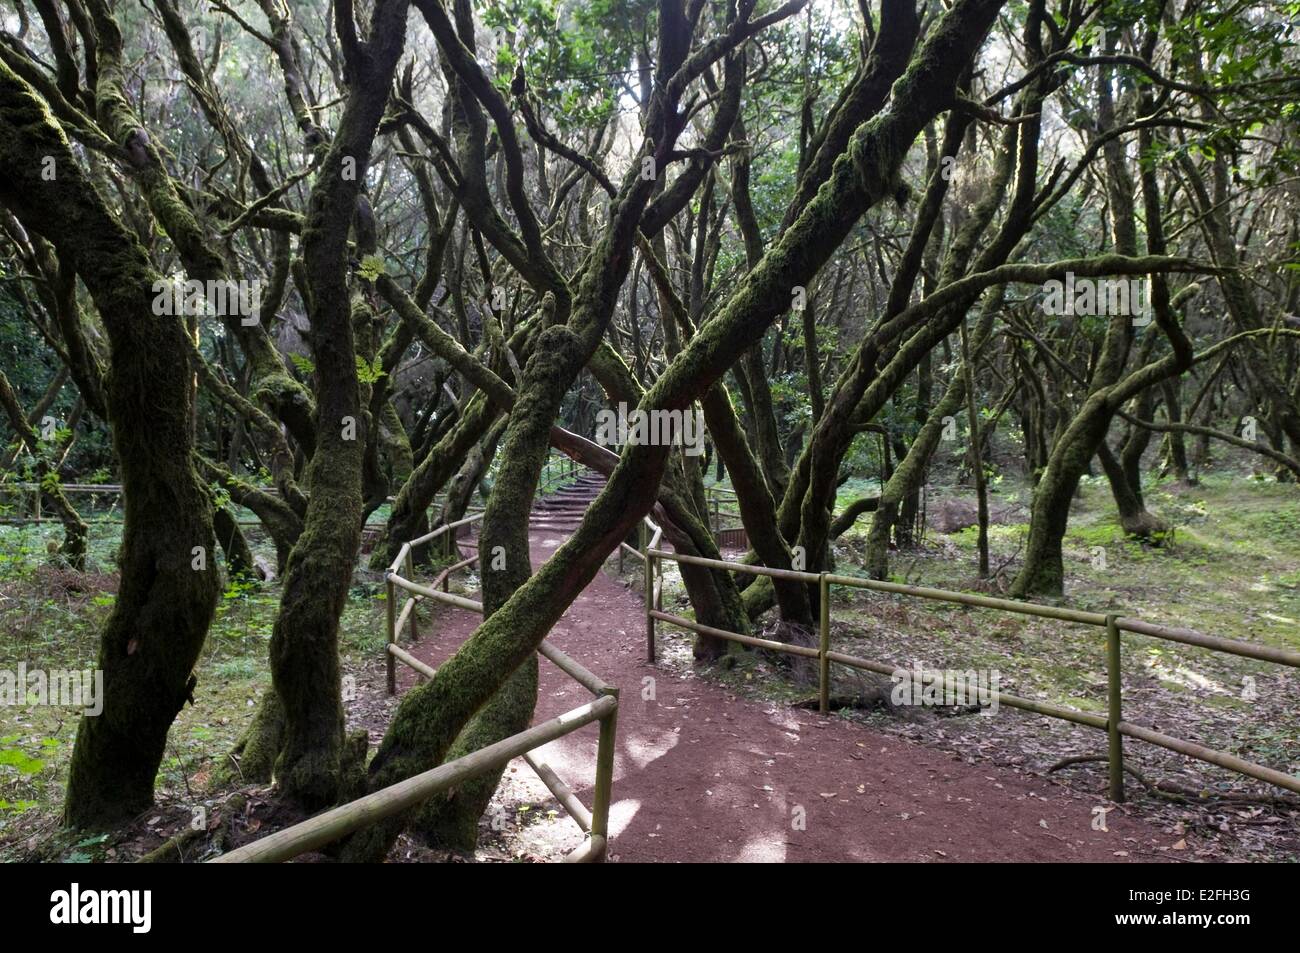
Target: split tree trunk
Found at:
304, 643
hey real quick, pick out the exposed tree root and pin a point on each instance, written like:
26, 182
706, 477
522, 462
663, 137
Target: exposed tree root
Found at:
1181, 793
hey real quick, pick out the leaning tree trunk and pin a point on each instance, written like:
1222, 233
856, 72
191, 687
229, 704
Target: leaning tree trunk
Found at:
409, 517
451, 820
1043, 572
752, 484
470, 475
169, 585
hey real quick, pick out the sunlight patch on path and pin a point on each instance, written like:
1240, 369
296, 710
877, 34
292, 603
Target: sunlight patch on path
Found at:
621, 814
645, 747
763, 849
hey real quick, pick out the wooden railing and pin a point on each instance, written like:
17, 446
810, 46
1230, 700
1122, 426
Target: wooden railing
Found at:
725, 521
558, 471
318, 831
594, 823
33, 492
1113, 723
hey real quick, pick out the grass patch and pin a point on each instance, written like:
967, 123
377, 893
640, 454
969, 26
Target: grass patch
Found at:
51, 618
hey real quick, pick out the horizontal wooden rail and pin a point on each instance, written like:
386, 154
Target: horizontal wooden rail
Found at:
443, 576
68, 487
1013, 701
1220, 758
435, 533
459, 601
23, 520
1263, 653
408, 659
116, 488
804, 650
793, 575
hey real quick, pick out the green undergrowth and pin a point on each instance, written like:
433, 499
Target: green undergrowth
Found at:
51, 618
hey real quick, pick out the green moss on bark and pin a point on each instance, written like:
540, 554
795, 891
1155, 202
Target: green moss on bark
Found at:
169, 582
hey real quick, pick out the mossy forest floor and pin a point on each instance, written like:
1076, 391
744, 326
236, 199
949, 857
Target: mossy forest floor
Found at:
1232, 569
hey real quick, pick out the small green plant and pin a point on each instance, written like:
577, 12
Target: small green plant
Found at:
372, 266
369, 373
19, 760
238, 587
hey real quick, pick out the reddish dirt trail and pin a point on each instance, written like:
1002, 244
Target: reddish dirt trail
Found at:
702, 775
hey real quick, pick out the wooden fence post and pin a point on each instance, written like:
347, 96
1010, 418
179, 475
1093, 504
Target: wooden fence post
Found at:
1114, 712
410, 574
604, 774
392, 631
824, 643
449, 547
643, 538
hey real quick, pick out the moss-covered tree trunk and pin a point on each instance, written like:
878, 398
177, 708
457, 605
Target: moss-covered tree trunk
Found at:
304, 643
451, 820
409, 518
975, 451
754, 496
1043, 570
906, 526
1134, 518
460, 492
169, 583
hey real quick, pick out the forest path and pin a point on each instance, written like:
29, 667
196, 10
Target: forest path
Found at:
704, 775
